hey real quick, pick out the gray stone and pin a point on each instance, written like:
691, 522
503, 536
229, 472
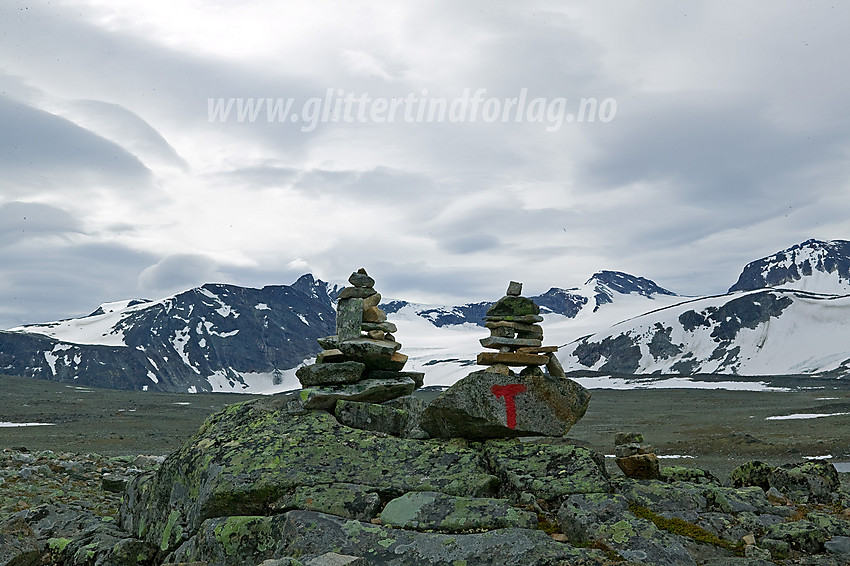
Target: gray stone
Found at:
838, 545
361, 279
417, 376
115, 483
498, 342
367, 348
370, 416
524, 319
333, 356
329, 342
334, 559
492, 405
349, 317
330, 373
434, 511
348, 500
385, 326
514, 289
357, 293
311, 533
368, 390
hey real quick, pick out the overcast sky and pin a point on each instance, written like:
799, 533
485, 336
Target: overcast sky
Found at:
720, 136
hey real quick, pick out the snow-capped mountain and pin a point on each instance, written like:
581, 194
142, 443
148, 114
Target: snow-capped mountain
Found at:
789, 313
211, 338
814, 265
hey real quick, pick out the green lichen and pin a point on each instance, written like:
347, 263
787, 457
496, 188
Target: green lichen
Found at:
235, 531
57, 544
166, 533
685, 529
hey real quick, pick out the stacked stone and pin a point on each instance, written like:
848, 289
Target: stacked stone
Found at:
634, 458
361, 362
515, 333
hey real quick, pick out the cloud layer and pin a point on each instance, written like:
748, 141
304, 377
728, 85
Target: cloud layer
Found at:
726, 139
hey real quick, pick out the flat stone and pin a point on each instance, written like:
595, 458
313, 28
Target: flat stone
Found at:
361, 279
511, 359
357, 293
349, 317
328, 342
628, 438
537, 350
369, 351
497, 342
838, 545
514, 289
492, 405
369, 390
524, 319
434, 511
393, 363
386, 326
330, 373
376, 334
418, 377
517, 326
513, 306
374, 314
330, 357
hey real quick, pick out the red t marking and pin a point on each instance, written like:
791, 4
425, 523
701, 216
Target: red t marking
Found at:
509, 392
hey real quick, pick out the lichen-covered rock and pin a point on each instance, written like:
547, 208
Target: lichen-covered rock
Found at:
252, 454
367, 390
753, 473
809, 482
18, 543
243, 540
605, 519
433, 511
549, 471
309, 534
800, 535
371, 416
347, 500
486, 404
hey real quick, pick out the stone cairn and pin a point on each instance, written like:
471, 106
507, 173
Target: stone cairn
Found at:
496, 402
634, 458
361, 362
515, 333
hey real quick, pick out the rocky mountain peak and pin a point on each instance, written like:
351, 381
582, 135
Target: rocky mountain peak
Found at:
814, 265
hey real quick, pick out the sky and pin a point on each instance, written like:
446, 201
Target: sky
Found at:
446, 147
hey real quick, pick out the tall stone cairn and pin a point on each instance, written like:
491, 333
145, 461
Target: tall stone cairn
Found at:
515, 333
361, 362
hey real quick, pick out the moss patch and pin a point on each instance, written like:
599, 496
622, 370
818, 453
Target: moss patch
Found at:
685, 529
